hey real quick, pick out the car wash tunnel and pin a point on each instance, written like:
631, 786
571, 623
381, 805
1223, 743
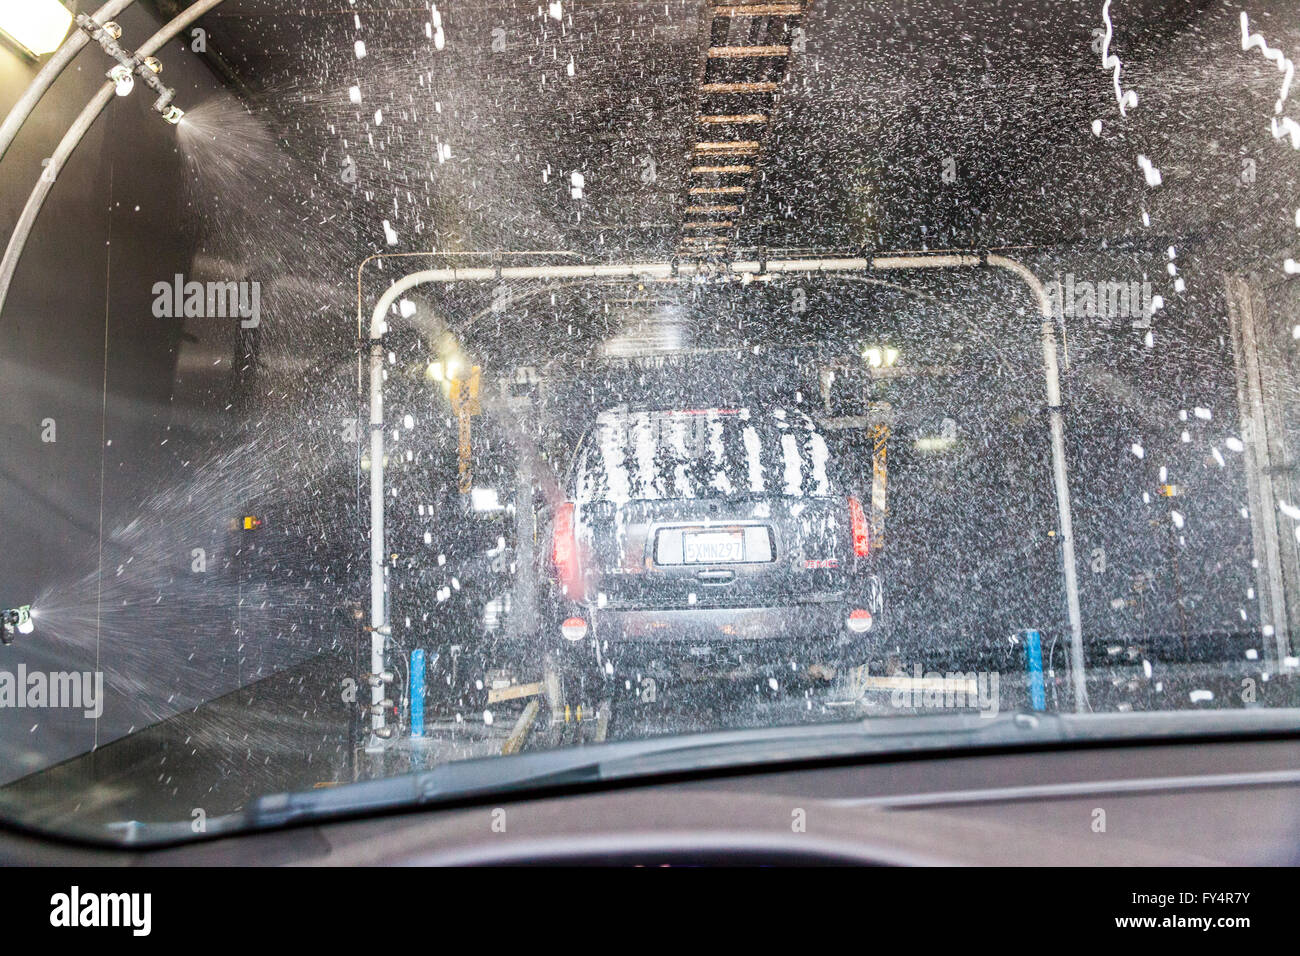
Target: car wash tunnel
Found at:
391, 384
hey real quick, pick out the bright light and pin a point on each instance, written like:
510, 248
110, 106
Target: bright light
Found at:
38, 26
878, 357
445, 370
485, 499
934, 443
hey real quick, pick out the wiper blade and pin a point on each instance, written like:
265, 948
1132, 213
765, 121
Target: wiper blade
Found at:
469, 779
459, 780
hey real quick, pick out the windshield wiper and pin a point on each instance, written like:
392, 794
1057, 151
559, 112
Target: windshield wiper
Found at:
467, 779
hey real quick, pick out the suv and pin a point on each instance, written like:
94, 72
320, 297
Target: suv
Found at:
717, 536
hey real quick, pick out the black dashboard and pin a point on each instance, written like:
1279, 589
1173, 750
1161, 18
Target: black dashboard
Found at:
1191, 802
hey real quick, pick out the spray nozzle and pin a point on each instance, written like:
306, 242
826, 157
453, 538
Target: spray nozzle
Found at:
15, 621
123, 80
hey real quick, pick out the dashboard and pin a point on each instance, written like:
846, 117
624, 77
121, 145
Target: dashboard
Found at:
1182, 803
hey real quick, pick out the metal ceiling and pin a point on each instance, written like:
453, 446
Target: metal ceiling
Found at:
706, 128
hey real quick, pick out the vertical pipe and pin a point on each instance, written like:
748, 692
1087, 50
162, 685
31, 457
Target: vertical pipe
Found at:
1270, 579
1064, 517
378, 623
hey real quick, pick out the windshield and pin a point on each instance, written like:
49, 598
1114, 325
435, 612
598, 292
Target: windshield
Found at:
393, 387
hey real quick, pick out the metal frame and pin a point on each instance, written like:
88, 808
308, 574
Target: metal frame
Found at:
1273, 556
667, 270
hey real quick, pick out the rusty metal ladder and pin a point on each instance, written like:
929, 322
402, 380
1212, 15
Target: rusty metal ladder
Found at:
745, 58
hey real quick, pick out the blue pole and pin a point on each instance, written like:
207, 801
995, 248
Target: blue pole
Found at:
417, 693
1034, 665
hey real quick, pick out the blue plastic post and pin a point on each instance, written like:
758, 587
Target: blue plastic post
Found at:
1034, 665
417, 693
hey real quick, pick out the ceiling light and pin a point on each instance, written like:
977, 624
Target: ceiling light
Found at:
35, 26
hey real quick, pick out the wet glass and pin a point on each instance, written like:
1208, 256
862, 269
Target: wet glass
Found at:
384, 382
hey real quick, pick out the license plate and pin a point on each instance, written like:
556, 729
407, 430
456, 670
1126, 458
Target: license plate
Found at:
714, 547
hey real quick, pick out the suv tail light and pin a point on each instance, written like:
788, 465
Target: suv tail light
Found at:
861, 533
859, 621
564, 550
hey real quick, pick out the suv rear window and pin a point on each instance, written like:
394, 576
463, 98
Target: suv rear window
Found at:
707, 453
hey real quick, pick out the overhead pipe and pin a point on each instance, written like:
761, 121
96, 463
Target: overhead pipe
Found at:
50, 72
72, 138
666, 270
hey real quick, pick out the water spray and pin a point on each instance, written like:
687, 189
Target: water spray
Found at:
14, 621
131, 65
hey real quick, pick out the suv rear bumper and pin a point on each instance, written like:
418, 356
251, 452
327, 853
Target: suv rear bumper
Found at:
800, 622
